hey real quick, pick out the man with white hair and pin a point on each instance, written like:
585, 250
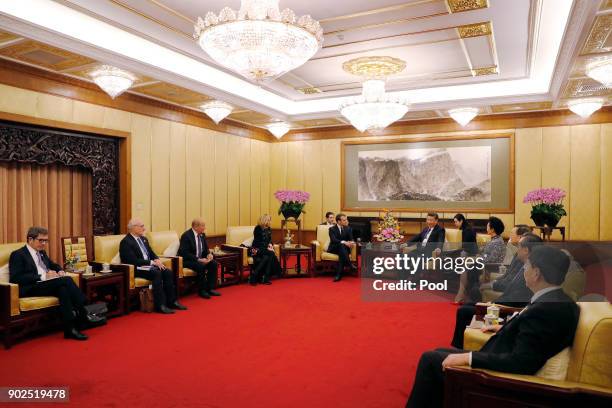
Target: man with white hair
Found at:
135, 250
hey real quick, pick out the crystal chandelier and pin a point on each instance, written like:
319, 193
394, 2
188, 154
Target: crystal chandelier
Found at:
585, 107
463, 116
278, 129
373, 109
217, 110
259, 41
112, 80
601, 71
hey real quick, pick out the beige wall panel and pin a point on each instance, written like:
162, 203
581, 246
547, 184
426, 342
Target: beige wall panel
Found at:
117, 119
55, 108
585, 182
221, 163
207, 181
87, 114
16, 100
160, 175
266, 194
374, 214
295, 166
256, 164
193, 185
528, 173
141, 168
178, 177
313, 184
278, 176
476, 216
330, 167
556, 164
410, 215
233, 182
605, 207
244, 165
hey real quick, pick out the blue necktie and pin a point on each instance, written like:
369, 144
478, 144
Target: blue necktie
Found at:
143, 248
198, 247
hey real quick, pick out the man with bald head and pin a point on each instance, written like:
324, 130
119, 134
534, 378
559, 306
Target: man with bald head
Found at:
135, 250
197, 257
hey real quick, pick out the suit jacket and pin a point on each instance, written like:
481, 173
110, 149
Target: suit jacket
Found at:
523, 345
436, 238
468, 240
336, 237
502, 283
23, 270
130, 252
188, 248
516, 294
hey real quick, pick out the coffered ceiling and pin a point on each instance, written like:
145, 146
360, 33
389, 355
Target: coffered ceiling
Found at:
502, 56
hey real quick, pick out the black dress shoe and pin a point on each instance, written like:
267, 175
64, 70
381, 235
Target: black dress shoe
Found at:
266, 283
204, 294
214, 293
74, 334
337, 278
164, 310
176, 305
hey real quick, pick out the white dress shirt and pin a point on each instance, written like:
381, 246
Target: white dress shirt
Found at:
427, 236
37, 261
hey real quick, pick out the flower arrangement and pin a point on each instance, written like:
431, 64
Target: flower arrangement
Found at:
292, 202
71, 260
388, 228
546, 206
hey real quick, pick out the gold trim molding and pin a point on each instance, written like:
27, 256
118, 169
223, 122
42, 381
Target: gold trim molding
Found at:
458, 6
475, 30
492, 70
308, 90
598, 36
374, 66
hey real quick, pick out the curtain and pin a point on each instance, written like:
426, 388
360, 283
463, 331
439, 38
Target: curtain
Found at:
53, 196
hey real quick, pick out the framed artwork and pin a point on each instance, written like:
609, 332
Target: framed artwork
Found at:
443, 174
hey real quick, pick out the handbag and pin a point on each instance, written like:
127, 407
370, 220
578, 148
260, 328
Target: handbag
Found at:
146, 300
98, 309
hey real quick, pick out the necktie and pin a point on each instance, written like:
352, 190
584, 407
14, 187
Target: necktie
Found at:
198, 247
145, 254
41, 262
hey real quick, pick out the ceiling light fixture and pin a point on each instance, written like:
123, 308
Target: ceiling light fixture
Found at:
112, 80
278, 129
601, 71
373, 109
259, 41
463, 116
217, 110
585, 107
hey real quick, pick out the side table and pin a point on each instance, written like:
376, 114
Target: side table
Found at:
229, 263
298, 251
107, 287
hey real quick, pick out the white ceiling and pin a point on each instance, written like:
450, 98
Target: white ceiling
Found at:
154, 37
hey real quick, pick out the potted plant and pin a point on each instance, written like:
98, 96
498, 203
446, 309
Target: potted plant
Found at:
546, 206
292, 202
388, 229
71, 260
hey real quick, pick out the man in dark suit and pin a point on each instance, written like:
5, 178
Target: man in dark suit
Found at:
341, 242
196, 256
37, 275
431, 238
134, 249
522, 345
330, 219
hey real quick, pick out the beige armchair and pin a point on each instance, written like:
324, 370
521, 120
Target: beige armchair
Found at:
21, 315
580, 376
323, 260
166, 244
234, 237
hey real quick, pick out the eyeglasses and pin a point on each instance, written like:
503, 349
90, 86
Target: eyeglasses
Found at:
42, 241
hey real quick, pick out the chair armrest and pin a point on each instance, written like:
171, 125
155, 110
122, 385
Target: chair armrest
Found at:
353, 256
466, 387
276, 250
9, 301
76, 277
474, 339
243, 251
317, 249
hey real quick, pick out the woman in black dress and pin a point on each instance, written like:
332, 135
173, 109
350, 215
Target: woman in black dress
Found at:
468, 248
265, 262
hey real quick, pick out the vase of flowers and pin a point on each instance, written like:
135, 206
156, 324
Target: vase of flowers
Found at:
388, 229
292, 202
71, 260
546, 206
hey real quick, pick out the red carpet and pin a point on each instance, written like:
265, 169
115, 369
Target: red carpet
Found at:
299, 343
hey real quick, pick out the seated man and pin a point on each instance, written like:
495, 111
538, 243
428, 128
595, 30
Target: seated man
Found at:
500, 284
511, 247
431, 238
330, 219
134, 249
37, 275
515, 292
522, 345
341, 242
196, 256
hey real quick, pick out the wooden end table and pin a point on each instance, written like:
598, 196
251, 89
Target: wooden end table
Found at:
546, 232
229, 263
108, 287
297, 251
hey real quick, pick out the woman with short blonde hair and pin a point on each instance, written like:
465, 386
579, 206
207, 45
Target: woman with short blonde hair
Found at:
265, 262
264, 220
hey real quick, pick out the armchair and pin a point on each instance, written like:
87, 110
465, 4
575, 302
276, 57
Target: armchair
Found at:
20, 316
323, 260
165, 244
75, 246
235, 236
586, 382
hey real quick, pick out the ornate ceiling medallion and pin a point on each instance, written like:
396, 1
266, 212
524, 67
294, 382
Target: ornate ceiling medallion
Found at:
475, 30
374, 67
458, 6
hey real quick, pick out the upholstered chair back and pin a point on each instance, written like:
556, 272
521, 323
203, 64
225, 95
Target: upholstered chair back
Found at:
5, 254
575, 280
74, 246
590, 359
106, 248
162, 240
237, 235
453, 235
323, 235
482, 239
